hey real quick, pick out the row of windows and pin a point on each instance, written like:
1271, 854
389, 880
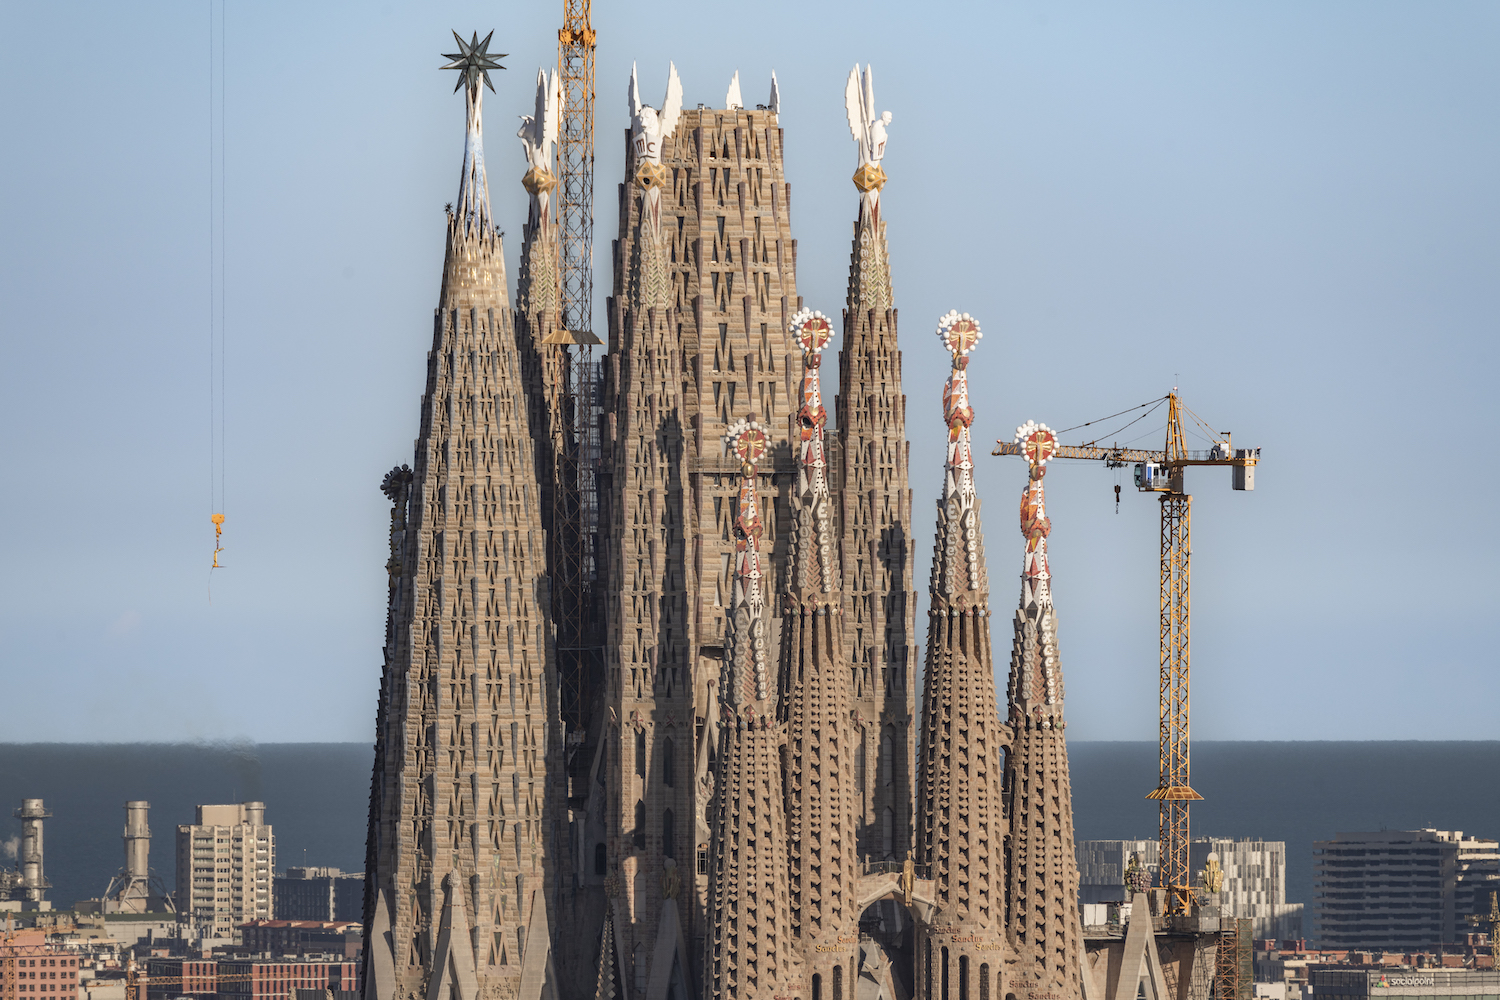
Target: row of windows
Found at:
54, 963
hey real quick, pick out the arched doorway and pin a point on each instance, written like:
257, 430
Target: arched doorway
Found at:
887, 949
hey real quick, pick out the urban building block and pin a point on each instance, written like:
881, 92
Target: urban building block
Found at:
224, 865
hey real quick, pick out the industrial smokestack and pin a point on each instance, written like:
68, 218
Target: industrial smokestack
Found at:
137, 841
33, 881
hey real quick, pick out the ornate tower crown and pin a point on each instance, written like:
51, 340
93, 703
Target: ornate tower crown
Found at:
813, 568
745, 639
474, 61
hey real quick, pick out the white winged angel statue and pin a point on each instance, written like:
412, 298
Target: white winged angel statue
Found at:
649, 129
868, 130
538, 135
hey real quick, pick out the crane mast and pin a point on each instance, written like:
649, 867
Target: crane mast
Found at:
1162, 472
576, 504
575, 65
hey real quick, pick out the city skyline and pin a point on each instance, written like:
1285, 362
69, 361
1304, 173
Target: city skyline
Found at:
1315, 193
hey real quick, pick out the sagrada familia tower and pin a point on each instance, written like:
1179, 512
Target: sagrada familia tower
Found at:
755, 808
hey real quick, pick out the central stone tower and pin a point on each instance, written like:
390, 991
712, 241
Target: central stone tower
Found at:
704, 287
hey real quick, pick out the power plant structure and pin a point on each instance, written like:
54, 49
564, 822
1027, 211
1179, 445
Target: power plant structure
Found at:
136, 889
647, 726
25, 887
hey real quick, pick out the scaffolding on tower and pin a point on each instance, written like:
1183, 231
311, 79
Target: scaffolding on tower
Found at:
576, 505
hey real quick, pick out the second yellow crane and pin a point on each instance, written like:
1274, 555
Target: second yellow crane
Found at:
1162, 472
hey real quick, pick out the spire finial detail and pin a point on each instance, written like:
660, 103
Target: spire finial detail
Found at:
960, 334
869, 131
745, 638
1038, 444
812, 331
473, 61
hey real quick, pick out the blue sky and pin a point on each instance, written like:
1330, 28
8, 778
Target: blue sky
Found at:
1289, 210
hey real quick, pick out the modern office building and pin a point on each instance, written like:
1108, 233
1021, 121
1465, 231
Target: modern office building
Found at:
224, 865
1400, 889
318, 894
1430, 984
1254, 883
303, 937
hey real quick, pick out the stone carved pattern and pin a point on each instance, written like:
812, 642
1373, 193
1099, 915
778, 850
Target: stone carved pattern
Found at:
749, 945
961, 818
817, 701
468, 730
697, 341
1043, 923
873, 499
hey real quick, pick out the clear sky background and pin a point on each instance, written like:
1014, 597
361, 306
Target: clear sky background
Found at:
1289, 210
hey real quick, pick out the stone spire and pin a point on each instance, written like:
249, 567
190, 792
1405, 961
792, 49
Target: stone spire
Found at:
1044, 928
873, 504
817, 702
749, 942
460, 840
960, 807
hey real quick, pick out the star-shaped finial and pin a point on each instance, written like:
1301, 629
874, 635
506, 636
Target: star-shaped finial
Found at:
473, 61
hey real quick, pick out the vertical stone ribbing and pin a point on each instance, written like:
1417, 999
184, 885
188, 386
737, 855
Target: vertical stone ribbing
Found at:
461, 844
1043, 924
818, 702
879, 549
961, 822
749, 939
697, 341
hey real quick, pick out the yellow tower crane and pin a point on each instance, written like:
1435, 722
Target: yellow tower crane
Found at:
1162, 472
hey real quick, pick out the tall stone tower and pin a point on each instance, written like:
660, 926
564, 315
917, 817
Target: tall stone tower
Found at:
818, 704
704, 286
873, 500
750, 943
463, 834
961, 827
1042, 909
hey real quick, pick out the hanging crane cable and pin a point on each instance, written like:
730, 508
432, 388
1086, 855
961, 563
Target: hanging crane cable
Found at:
216, 281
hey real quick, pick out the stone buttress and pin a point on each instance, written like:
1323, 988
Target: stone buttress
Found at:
749, 941
961, 824
817, 702
1043, 924
462, 840
873, 507
704, 285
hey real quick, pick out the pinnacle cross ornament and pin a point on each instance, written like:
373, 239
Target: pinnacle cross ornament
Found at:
473, 61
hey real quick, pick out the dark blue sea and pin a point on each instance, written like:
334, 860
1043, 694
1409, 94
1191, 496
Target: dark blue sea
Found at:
317, 795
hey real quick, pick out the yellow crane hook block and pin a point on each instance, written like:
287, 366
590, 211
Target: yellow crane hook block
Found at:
218, 520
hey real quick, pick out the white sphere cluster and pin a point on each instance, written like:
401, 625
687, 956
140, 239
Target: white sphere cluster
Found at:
1029, 428
945, 329
801, 319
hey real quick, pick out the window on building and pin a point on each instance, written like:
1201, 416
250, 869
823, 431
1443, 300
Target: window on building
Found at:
640, 753
601, 862
667, 767
668, 836
639, 836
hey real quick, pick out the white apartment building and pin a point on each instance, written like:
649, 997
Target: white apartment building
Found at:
1400, 889
224, 865
1254, 883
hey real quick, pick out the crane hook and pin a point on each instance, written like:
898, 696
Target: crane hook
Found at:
1117, 498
